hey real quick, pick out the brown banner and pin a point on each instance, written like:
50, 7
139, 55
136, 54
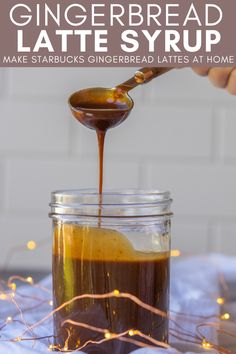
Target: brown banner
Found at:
117, 33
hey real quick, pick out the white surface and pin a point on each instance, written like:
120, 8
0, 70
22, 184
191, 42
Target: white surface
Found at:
194, 290
190, 149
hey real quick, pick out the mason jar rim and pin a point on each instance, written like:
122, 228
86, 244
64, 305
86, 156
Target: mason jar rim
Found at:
112, 203
75, 194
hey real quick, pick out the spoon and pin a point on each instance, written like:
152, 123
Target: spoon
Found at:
104, 108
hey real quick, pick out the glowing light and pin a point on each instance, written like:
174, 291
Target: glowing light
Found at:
220, 301
30, 280
50, 303
116, 292
18, 339
53, 347
31, 245
206, 345
132, 333
225, 316
12, 294
9, 319
12, 286
3, 296
175, 253
108, 335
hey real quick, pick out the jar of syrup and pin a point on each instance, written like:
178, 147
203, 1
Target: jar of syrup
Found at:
109, 251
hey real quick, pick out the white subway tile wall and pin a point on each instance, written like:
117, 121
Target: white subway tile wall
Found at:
180, 136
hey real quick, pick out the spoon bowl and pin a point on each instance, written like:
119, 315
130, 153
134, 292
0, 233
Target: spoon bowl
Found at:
101, 108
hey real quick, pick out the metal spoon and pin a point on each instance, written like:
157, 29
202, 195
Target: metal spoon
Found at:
104, 108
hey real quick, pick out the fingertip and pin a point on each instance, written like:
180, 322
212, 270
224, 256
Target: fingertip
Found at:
231, 86
219, 77
201, 71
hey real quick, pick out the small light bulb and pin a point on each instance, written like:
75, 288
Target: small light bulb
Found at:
12, 286
107, 335
54, 347
50, 303
206, 345
3, 296
30, 280
220, 301
175, 253
225, 316
131, 333
18, 339
9, 319
31, 245
116, 292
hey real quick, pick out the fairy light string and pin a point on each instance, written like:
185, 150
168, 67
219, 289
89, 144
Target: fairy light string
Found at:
9, 292
107, 334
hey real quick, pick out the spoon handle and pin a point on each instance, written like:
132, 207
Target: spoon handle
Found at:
142, 76
145, 75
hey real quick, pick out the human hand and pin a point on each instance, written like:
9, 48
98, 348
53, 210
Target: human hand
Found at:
220, 77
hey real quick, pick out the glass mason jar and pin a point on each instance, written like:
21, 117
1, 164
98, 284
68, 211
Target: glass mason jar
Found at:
113, 249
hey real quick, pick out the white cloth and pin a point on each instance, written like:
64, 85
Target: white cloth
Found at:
194, 290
